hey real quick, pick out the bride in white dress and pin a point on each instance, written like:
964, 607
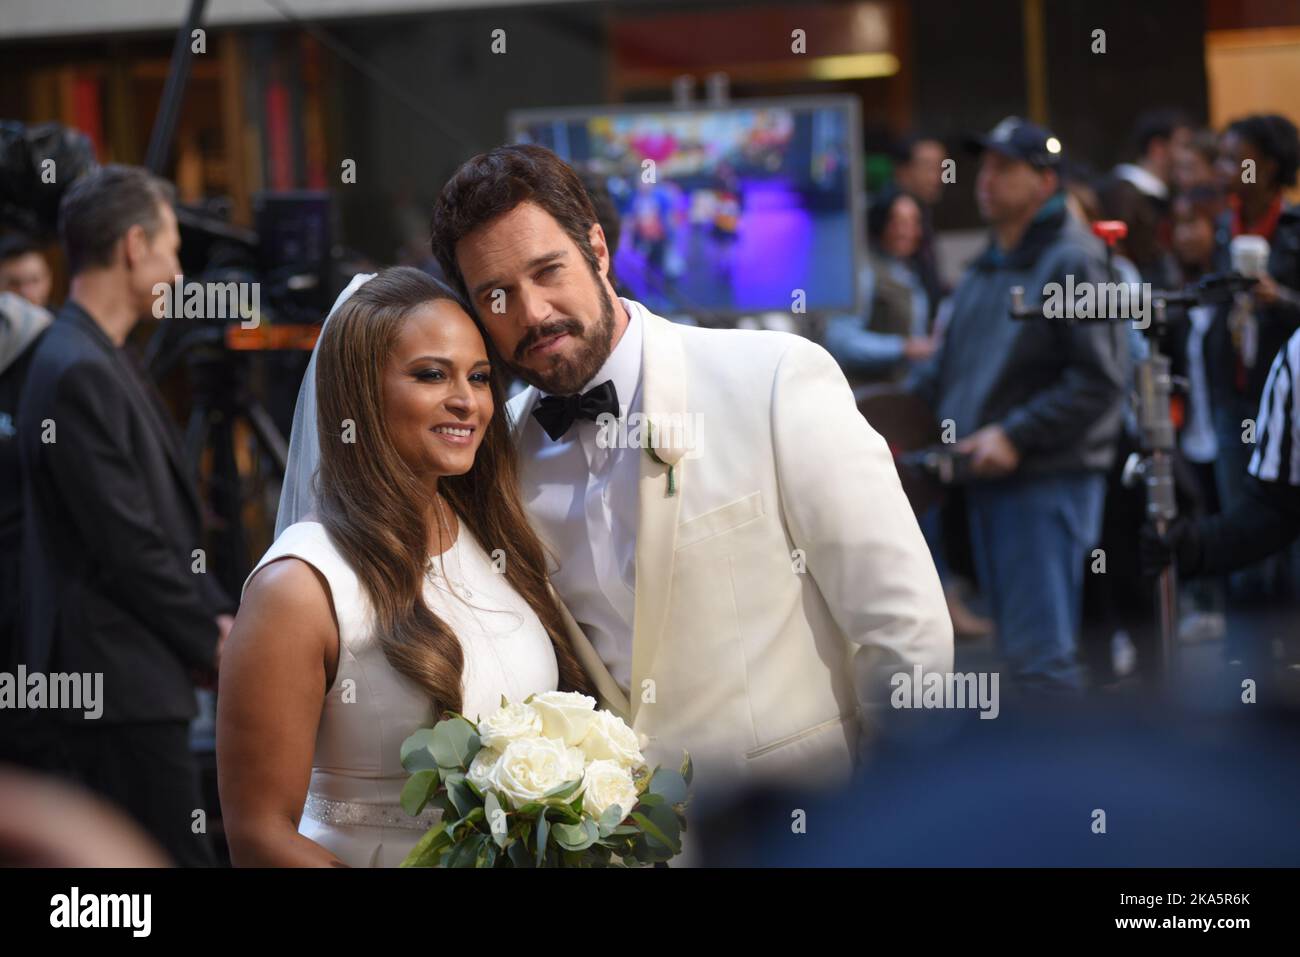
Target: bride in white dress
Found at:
414, 584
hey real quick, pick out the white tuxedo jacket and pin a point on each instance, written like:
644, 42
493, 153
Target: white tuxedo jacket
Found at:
785, 578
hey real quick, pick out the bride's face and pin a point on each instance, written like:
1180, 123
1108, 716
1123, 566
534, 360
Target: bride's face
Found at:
437, 397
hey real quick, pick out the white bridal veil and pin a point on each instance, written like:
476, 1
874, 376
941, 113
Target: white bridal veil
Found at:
298, 495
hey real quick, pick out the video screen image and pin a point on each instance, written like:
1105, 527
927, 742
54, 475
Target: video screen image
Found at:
723, 210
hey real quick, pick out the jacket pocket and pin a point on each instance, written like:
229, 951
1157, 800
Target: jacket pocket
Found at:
721, 519
800, 735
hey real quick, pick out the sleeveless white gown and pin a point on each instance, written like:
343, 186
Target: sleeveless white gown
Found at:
352, 804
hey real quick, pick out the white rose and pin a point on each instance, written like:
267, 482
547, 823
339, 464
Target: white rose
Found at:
507, 724
480, 769
607, 783
577, 763
529, 767
609, 738
566, 715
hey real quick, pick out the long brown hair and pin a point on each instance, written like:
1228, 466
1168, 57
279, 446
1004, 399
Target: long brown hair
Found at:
376, 509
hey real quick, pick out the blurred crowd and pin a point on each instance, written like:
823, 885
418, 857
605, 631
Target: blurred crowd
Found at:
1041, 416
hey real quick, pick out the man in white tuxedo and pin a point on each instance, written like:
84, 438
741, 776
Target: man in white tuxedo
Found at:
748, 579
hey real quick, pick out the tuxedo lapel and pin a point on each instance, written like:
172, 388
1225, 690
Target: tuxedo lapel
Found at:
663, 397
611, 695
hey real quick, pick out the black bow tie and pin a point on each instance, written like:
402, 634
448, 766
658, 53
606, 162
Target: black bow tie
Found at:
557, 412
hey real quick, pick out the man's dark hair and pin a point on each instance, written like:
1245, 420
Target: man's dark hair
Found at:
14, 245
602, 204
492, 184
102, 205
1157, 125
1275, 137
903, 149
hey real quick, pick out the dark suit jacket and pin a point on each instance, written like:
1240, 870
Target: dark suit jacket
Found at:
111, 520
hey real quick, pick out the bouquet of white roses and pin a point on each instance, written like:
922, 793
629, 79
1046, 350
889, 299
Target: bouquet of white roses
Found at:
549, 782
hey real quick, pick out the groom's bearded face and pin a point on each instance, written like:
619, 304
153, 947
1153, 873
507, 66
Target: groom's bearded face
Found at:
549, 315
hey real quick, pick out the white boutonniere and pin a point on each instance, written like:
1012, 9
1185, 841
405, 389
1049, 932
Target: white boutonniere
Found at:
661, 448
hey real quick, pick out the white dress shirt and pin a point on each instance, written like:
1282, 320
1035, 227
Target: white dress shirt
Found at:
583, 502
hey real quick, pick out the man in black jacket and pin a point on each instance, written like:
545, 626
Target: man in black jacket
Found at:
114, 582
1036, 405
1266, 518
1138, 193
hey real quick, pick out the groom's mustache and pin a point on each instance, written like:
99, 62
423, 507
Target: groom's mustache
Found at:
572, 326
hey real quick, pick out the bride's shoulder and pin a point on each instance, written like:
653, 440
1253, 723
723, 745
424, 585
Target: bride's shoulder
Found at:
303, 545
288, 590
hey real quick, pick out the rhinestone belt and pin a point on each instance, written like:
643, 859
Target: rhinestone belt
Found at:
328, 811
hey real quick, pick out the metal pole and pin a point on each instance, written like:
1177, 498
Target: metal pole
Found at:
164, 127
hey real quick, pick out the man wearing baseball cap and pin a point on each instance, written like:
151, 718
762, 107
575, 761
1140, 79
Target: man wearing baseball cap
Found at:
1035, 404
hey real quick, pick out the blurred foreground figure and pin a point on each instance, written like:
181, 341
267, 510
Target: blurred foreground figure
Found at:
1062, 787
44, 823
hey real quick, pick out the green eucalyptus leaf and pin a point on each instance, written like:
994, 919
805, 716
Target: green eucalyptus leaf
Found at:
518, 855
455, 742
458, 854
417, 790
417, 751
669, 785
543, 832
428, 846
475, 817
562, 793
665, 818
652, 830
459, 793
576, 837
610, 819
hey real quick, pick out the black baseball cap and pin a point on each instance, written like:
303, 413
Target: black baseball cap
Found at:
1022, 140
